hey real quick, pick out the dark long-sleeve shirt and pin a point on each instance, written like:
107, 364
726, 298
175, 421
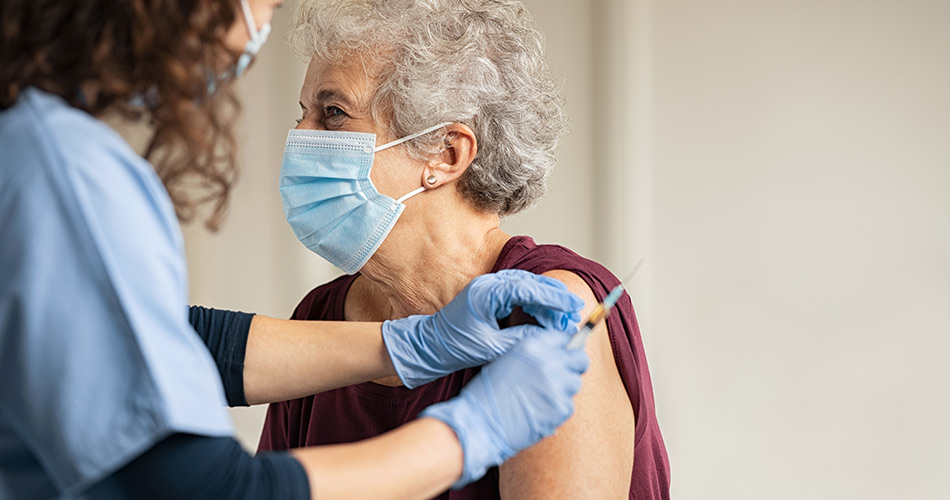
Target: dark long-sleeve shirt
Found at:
225, 333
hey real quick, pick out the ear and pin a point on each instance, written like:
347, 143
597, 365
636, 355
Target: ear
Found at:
460, 150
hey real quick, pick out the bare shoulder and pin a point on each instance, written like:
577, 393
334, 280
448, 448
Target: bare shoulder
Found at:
575, 284
591, 455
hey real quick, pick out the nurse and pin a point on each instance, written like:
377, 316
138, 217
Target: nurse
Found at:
105, 390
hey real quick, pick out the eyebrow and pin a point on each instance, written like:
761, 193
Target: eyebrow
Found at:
331, 95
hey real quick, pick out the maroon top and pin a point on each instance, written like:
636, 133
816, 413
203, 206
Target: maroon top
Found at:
364, 410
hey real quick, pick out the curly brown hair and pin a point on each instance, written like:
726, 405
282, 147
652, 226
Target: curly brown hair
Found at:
141, 59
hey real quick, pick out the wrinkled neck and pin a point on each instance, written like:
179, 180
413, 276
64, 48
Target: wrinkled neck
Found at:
422, 273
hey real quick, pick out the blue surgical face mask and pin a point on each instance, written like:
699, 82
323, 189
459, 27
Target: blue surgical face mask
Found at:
330, 201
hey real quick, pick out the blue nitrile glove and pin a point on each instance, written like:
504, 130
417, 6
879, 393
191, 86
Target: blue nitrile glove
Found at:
465, 333
514, 402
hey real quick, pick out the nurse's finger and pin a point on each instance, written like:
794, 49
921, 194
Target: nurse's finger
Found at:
525, 289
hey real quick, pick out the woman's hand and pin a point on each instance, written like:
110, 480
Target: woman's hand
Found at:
514, 402
466, 332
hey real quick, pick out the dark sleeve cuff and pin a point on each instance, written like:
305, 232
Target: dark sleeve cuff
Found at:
225, 333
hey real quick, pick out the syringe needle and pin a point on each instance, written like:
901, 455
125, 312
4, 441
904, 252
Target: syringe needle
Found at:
632, 273
601, 311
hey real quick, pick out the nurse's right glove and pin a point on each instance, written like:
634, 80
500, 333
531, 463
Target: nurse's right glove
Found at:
514, 402
466, 333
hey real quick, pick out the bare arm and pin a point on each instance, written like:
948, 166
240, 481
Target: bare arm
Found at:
289, 359
415, 461
591, 455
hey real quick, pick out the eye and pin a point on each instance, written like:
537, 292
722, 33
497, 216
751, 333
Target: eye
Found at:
333, 112
298, 120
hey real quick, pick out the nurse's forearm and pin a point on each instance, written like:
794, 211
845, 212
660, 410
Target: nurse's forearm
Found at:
415, 461
288, 359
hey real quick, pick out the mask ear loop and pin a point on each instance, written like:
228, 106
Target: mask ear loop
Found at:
410, 194
252, 47
410, 137
249, 20
397, 142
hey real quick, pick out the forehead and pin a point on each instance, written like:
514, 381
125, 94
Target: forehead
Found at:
355, 77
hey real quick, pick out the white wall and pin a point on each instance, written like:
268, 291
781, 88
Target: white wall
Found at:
784, 167
563, 216
801, 163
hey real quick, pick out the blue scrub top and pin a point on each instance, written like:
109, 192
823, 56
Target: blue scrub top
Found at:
97, 359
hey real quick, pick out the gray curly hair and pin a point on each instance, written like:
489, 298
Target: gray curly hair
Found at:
478, 62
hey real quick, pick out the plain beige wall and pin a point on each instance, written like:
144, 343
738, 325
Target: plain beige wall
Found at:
784, 168
801, 157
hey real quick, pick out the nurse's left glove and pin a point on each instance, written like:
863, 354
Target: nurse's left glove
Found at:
466, 333
513, 402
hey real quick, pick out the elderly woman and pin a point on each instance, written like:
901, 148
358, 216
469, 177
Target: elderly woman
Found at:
466, 122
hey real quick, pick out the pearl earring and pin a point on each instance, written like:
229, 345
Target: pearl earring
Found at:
431, 180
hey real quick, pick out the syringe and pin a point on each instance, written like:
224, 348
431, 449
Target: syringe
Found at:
600, 312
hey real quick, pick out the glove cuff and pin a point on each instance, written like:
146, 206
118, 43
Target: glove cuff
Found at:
481, 449
400, 338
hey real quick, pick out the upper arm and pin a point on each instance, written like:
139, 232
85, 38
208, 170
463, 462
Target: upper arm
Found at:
591, 455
